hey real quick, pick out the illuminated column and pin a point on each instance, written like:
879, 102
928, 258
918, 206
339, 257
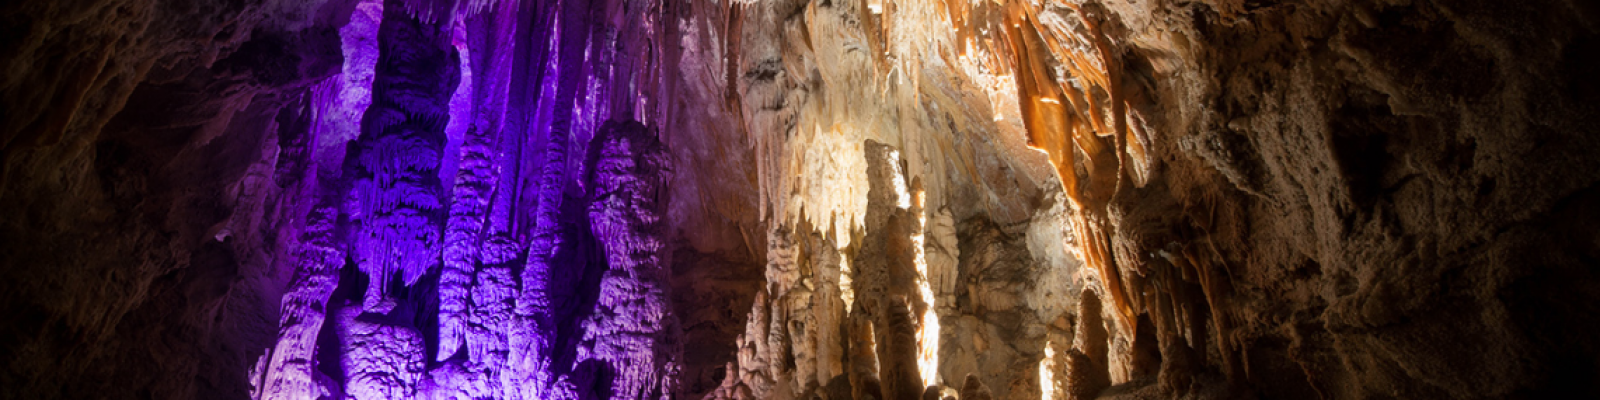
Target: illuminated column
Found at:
288, 369
890, 275
396, 205
633, 327
533, 331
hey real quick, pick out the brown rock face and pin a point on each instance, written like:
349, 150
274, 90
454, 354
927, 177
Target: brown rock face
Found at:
799, 199
138, 255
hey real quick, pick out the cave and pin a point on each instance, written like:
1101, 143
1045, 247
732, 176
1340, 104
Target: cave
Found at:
800, 199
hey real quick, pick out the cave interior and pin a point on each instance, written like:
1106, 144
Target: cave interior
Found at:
800, 199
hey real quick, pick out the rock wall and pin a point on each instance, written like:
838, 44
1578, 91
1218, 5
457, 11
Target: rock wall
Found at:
140, 254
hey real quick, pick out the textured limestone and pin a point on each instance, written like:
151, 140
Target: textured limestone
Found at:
397, 205
633, 327
380, 360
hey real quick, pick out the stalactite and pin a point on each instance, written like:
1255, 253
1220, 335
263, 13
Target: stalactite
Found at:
396, 199
491, 39
433, 11
1065, 119
533, 335
1215, 288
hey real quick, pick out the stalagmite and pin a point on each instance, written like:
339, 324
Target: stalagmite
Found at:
1087, 369
636, 332
973, 389
381, 361
477, 178
290, 365
533, 335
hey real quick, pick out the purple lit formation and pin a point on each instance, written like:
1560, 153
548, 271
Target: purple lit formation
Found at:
486, 221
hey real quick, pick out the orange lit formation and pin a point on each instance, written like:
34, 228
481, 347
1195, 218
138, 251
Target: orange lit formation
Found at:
1073, 108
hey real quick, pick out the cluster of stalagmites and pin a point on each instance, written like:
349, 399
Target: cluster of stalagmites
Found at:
491, 229
805, 340
841, 314
475, 210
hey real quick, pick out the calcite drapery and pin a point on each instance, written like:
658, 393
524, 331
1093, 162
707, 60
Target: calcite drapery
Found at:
500, 264
396, 201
